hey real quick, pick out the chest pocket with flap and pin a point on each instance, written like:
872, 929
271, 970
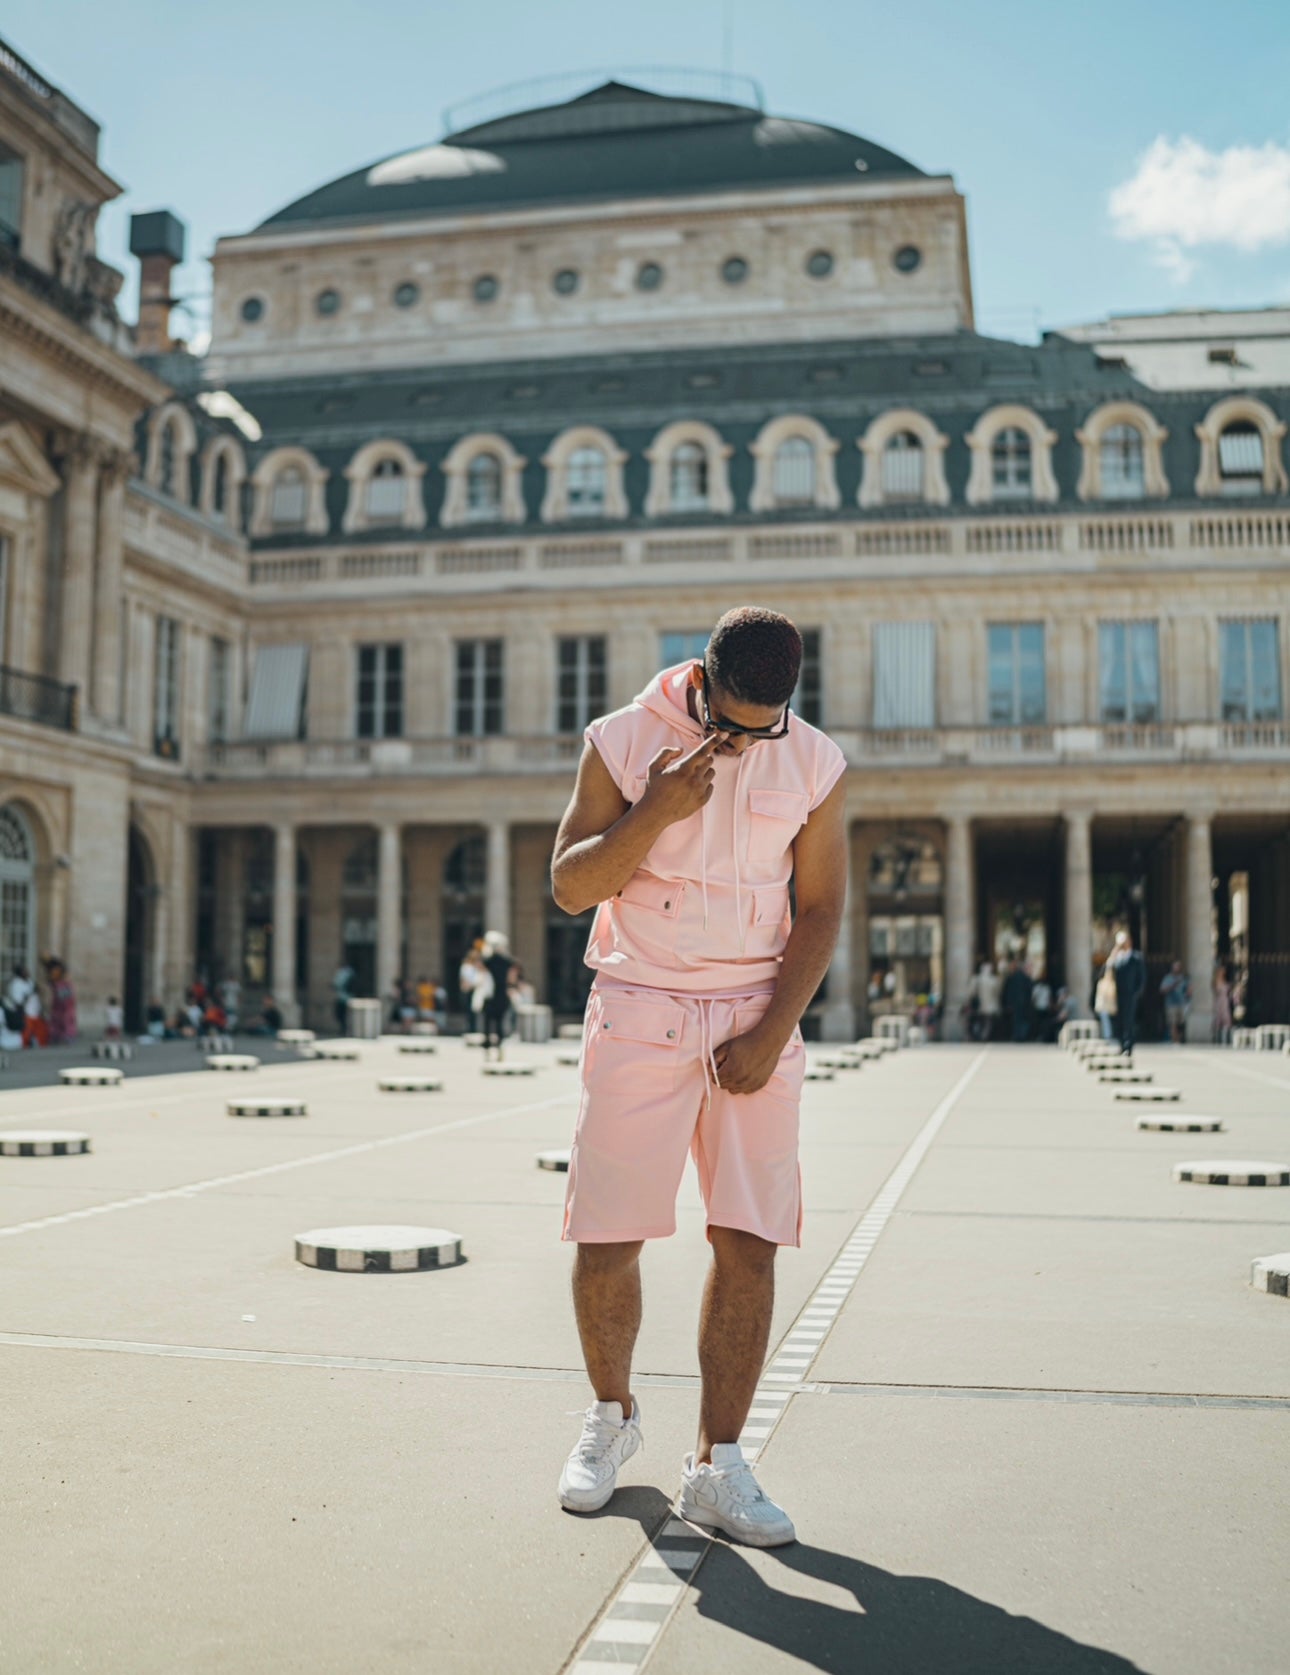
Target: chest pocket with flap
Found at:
775, 818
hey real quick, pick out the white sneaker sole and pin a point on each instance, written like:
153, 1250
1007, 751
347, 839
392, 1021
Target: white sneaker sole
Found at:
747, 1535
591, 1500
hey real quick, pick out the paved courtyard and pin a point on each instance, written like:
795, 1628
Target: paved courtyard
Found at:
1024, 1406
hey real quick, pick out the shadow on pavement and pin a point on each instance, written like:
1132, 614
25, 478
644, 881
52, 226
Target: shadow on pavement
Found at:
641, 1504
905, 1625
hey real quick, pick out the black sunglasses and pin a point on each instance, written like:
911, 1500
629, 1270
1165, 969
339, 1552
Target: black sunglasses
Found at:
718, 724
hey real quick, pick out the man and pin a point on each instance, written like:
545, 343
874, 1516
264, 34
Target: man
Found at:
1017, 991
695, 808
497, 1006
1129, 970
1175, 991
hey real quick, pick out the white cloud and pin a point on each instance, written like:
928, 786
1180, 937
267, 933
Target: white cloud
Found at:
1183, 196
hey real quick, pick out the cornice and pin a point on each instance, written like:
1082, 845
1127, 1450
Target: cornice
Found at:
25, 317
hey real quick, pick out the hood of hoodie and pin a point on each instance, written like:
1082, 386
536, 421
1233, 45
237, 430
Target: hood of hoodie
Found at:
665, 696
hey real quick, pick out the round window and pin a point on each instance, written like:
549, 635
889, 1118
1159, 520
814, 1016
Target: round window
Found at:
907, 258
566, 281
649, 276
819, 264
407, 294
253, 310
327, 302
486, 287
735, 271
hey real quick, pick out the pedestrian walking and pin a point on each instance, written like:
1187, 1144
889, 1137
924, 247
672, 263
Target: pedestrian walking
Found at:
62, 1003
342, 985
1017, 992
1175, 991
113, 1019
1042, 1027
15, 999
502, 972
1105, 1004
1130, 973
1222, 1006
983, 998
35, 1025
230, 999
696, 806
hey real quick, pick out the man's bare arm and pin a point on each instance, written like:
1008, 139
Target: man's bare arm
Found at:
820, 873
603, 838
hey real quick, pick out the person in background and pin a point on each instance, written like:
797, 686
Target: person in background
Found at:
1041, 1010
471, 975
400, 1012
35, 1026
1104, 1003
214, 1019
984, 995
154, 1018
62, 1002
1222, 1030
1129, 970
230, 999
1066, 1008
113, 1019
270, 1020
342, 987
1017, 990
1175, 991
15, 998
502, 973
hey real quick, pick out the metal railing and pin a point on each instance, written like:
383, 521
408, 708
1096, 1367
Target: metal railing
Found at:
37, 698
888, 746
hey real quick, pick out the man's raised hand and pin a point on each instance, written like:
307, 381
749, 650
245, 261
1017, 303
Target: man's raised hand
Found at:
679, 784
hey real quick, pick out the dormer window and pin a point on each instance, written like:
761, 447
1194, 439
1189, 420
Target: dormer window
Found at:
1010, 462
902, 467
1240, 458
689, 478
386, 493
794, 472
1123, 469
287, 502
586, 481
484, 488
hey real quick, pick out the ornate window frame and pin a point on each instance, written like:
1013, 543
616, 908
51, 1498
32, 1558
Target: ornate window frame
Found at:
555, 502
766, 443
1209, 480
359, 472
456, 467
936, 491
173, 415
980, 440
262, 479
658, 502
1155, 485
223, 447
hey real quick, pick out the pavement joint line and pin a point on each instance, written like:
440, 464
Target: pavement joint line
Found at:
1006, 1393
609, 1627
351, 1363
1153, 1221
1282, 1082
193, 1188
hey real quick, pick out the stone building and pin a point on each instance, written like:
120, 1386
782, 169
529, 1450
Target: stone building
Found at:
490, 431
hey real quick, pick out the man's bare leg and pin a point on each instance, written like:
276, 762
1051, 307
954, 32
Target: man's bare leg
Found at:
734, 1329
607, 1302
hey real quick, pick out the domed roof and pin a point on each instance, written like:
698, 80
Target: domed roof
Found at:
616, 141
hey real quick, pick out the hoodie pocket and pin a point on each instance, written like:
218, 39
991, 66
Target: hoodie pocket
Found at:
774, 820
654, 895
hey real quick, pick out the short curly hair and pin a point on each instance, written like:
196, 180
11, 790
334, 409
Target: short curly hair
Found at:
755, 655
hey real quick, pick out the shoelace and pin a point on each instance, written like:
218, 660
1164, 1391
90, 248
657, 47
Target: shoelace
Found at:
597, 1434
741, 1483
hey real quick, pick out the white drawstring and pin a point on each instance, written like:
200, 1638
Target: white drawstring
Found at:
707, 1048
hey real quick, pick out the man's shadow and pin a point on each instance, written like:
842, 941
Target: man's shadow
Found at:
899, 1625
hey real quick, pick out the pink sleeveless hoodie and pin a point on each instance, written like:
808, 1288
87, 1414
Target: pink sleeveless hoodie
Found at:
707, 911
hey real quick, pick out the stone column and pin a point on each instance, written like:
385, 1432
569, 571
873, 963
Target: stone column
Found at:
839, 1020
76, 605
497, 886
283, 975
389, 902
1198, 925
180, 954
958, 922
1079, 909
108, 589
230, 905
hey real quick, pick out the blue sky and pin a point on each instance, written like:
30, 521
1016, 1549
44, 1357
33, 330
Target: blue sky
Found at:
1047, 116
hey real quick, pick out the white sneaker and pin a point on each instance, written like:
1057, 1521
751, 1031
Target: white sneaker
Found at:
726, 1496
590, 1474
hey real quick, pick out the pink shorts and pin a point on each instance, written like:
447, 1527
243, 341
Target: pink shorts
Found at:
648, 1098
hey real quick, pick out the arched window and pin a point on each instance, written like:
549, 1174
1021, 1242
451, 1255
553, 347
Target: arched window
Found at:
1240, 458
793, 476
17, 893
689, 478
287, 501
167, 473
1121, 463
586, 480
902, 467
1010, 464
386, 492
484, 488
220, 489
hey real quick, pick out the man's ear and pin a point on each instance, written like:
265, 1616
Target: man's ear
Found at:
696, 676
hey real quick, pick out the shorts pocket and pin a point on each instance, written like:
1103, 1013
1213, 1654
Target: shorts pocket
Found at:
775, 818
624, 1018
